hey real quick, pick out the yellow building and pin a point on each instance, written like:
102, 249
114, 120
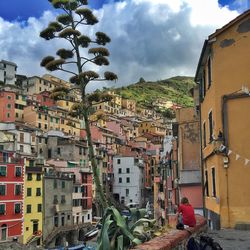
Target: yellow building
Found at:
65, 104
20, 103
129, 104
222, 71
151, 127
33, 204
37, 117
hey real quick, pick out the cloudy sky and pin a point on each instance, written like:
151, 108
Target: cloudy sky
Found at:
153, 39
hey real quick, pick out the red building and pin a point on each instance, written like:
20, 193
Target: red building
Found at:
11, 196
7, 106
44, 99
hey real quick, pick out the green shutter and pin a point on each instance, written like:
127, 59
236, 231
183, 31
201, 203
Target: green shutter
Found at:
3, 171
2, 208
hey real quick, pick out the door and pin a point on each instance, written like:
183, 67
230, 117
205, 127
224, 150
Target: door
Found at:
3, 235
35, 227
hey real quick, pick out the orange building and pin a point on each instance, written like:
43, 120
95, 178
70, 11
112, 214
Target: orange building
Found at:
223, 76
7, 106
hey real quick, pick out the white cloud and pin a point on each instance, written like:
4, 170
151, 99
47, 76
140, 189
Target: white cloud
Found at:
154, 39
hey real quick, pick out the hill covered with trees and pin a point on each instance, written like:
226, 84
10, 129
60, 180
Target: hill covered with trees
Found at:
146, 93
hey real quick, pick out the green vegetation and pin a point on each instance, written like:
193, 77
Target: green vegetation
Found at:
175, 89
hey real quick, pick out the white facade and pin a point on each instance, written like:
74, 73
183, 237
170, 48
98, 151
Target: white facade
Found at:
8, 72
128, 179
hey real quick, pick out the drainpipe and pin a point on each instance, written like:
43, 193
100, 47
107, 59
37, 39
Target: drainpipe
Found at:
225, 100
201, 164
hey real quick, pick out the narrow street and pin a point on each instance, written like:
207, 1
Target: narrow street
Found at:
231, 239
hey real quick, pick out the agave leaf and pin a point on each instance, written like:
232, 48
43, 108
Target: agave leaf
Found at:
142, 221
103, 239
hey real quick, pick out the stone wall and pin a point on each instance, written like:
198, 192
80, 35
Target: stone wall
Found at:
175, 239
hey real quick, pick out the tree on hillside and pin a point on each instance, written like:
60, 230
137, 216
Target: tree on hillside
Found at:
71, 59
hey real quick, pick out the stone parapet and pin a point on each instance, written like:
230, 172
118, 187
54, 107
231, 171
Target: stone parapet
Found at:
175, 239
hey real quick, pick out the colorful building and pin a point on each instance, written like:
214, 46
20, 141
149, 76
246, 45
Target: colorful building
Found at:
11, 196
7, 106
33, 204
20, 103
223, 77
150, 126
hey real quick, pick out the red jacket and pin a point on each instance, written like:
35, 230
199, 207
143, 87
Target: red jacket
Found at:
188, 216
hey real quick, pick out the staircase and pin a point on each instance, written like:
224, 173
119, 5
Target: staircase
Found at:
34, 237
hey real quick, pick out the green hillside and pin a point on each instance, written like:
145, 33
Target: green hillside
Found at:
175, 89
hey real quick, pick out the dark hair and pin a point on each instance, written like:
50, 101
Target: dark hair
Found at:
184, 200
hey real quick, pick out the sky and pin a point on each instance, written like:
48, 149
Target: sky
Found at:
153, 39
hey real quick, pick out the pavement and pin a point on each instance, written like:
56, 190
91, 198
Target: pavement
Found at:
230, 239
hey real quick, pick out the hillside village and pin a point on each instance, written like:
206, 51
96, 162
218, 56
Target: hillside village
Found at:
146, 158
54, 173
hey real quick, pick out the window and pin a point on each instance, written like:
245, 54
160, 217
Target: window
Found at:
18, 189
39, 116
45, 126
204, 135
8, 115
38, 177
55, 184
39, 208
209, 72
63, 200
9, 97
210, 120
63, 184
128, 170
3, 171
120, 180
29, 191
39, 125
21, 148
16, 115
18, 171
29, 177
28, 209
21, 137
118, 161
128, 179
38, 191
51, 119
119, 170
2, 189
2, 208
17, 208
55, 201
206, 183
45, 117
9, 106
58, 151
213, 182
57, 120
127, 192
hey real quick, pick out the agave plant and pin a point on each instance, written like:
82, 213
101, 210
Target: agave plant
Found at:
118, 233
